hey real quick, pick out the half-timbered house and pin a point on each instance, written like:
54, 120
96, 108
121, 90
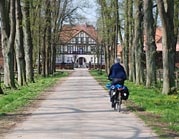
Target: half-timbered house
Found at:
79, 47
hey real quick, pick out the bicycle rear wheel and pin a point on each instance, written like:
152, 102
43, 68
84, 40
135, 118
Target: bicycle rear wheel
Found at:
117, 106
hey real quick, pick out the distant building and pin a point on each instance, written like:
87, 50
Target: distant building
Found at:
158, 41
79, 47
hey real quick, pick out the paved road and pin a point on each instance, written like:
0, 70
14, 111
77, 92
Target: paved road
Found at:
79, 108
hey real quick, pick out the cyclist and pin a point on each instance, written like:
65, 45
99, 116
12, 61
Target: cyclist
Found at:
117, 74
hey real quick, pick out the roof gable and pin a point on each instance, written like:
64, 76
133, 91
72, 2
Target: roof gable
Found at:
68, 32
82, 34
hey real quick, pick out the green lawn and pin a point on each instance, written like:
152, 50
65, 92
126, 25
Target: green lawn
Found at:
157, 110
15, 99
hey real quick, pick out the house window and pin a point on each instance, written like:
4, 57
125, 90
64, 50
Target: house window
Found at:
82, 40
86, 48
70, 49
102, 60
76, 40
80, 50
58, 59
92, 49
90, 40
81, 34
62, 48
58, 49
87, 40
79, 40
68, 59
91, 59
65, 48
73, 40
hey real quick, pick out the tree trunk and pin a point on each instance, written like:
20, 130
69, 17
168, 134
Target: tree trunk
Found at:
109, 12
138, 43
20, 57
46, 41
166, 12
43, 51
53, 60
132, 71
116, 27
55, 38
126, 40
28, 45
48, 47
150, 43
39, 41
8, 24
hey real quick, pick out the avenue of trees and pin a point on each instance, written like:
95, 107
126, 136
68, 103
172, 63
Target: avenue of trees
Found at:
130, 20
29, 33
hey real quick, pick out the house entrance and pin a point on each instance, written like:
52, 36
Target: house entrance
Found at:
81, 62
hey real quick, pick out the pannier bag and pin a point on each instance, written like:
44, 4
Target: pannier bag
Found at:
125, 93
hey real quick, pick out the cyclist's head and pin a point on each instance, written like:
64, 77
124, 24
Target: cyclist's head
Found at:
117, 60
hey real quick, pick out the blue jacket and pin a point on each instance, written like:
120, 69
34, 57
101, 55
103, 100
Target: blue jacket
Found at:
117, 71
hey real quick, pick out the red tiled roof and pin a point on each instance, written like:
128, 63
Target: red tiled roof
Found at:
158, 35
119, 49
159, 47
69, 31
158, 40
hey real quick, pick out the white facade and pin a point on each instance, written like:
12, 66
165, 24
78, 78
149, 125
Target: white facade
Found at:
81, 51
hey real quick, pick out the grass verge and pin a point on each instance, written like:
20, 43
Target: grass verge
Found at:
161, 112
15, 99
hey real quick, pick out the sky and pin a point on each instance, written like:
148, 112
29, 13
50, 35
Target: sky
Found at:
90, 12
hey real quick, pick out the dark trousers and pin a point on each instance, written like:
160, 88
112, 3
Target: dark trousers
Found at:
117, 81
